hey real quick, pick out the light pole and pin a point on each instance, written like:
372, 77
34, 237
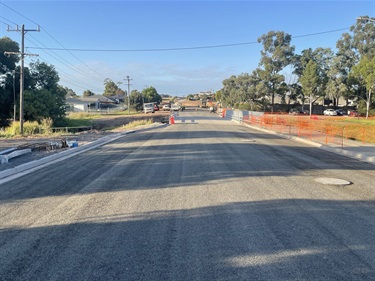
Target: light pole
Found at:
127, 77
128, 80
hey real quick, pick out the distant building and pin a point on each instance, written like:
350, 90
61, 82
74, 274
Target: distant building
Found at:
84, 104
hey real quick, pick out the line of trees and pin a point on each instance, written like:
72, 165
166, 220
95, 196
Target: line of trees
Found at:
317, 73
43, 97
148, 94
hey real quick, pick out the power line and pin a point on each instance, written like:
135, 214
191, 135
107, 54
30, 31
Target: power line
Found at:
71, 53
320, 33
64, 74
7, 21
184, 48
19, 13
152, 50
100, 75
61, 59
71, 79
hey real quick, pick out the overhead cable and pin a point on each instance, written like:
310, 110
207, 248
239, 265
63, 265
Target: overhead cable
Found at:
181, 48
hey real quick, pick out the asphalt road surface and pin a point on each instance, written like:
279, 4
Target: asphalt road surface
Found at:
203, 199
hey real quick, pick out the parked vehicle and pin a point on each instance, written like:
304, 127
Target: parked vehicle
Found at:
175, 107
166, 107
330, 112
340, 112
353, 113
148, 107
294, 111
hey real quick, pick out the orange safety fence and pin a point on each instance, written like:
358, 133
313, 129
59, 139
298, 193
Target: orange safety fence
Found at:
316, 129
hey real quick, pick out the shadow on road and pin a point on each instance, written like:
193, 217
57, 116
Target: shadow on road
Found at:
267, 240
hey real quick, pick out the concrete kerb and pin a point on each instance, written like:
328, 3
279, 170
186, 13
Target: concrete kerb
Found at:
35, 165
354, 155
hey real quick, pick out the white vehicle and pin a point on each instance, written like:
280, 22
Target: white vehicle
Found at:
166, 107
330, 112
175, 107
148, 107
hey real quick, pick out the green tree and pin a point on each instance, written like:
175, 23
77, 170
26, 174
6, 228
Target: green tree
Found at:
8, 62
37, 104
364, 71
323, 60
295, 92
309, 81
7, 66
363, 39
336, 86
70, 93
277, 53
352, 47
136, 100
151, 95
88, 93
230, 91
110, 88
43, 76
44, 98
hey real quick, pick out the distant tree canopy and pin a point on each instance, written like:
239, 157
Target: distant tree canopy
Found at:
70, 93
151, 95
88, 93
112, 89
364, 71
332, 77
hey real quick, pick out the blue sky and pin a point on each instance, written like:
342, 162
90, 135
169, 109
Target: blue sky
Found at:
94, 40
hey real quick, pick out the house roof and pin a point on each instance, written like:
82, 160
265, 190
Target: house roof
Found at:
96, 98
75, 101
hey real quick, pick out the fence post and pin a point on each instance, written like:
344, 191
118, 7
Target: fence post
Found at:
363, 134
342, 137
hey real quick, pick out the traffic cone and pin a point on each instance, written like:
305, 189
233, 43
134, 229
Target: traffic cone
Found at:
171, 119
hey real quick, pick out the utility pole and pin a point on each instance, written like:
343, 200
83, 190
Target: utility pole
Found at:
14, 97
128, 79
23, 32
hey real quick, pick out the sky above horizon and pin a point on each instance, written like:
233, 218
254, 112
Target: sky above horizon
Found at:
178, 47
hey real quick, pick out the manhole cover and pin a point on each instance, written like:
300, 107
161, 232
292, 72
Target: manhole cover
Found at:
332, 181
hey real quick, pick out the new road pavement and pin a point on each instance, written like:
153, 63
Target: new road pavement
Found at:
203, 199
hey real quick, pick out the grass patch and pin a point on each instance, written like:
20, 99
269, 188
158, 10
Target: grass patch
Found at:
29, 128
136, 123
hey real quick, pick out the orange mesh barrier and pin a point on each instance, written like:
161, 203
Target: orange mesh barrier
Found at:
316, 128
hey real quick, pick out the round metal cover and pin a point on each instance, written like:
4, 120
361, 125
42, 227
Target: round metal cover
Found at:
248, 140
332, 181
